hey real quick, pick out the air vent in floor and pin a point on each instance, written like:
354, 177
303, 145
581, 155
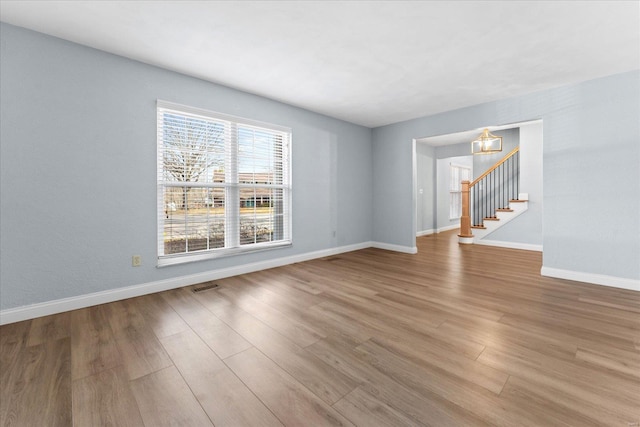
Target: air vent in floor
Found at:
205, 287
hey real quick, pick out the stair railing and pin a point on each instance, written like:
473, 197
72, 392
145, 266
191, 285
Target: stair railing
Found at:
490, 192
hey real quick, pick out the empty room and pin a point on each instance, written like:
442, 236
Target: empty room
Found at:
308, 213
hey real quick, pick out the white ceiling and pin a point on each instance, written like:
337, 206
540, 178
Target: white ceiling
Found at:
371, 63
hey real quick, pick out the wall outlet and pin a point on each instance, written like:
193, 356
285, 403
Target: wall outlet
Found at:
136, 261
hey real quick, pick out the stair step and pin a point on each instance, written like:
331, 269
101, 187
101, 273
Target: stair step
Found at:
491, 218
517, 201
482, 227
504, 210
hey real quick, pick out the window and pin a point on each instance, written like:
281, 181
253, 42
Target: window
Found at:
457, 174
224, 184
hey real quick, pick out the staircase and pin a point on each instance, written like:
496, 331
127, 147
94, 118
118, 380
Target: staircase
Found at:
492, 200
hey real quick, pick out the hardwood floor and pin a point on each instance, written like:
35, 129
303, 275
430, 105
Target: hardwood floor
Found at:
453, 336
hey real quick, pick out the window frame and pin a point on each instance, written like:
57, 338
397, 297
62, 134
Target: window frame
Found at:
455, 193
232, 185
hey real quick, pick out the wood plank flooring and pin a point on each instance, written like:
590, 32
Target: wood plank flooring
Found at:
453, 336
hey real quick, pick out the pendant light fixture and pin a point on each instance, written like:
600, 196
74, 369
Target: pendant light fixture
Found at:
486, 143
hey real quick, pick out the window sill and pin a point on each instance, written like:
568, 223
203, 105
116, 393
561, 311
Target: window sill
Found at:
169, 260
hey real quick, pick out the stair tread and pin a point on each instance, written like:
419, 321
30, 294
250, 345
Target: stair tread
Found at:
479, 226
517, 201
491, 218
504, 210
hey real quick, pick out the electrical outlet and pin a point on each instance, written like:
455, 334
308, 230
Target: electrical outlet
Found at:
136, 261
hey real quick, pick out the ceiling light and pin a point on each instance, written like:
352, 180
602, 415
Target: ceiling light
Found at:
486, 143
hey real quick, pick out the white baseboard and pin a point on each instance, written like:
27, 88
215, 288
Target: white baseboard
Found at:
395, 248
597, 279
447, 228
438, 230
73, 303
510, 245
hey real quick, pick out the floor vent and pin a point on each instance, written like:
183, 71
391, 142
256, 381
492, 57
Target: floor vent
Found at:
205, 287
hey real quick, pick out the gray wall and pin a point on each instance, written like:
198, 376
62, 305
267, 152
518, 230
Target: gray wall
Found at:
456, 150
591, 179
78, 169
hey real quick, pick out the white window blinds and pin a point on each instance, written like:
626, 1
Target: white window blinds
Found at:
457, 174
223, 184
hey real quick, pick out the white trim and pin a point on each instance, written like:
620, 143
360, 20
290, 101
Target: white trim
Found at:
465, 240
597, 279
510, 245
81, 301
184, 258
425, 232
447, 228
395, 248
230, 140
209, 114
414, 190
